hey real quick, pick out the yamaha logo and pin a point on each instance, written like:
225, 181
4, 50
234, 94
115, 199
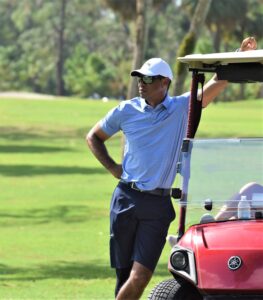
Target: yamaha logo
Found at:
234, 262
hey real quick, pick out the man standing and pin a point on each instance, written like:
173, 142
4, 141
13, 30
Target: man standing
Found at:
154, 125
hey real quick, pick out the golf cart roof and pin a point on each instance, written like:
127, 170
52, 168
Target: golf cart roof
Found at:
238, 67
197, 60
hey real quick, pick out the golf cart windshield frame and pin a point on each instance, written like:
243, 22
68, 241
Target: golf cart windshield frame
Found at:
218, 168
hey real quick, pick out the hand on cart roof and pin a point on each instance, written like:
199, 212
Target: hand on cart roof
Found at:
249, 43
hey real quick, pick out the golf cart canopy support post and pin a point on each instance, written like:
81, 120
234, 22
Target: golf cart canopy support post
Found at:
194, 116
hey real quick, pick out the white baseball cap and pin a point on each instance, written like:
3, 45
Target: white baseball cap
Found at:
154, 67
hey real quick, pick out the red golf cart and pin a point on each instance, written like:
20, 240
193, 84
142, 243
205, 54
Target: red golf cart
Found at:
220, 255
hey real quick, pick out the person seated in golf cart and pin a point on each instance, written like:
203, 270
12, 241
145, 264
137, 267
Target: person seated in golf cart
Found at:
253, 193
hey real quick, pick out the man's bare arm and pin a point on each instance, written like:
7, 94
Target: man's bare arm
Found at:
212, 89
96, 141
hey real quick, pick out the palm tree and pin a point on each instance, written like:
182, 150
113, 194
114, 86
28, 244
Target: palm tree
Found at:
136, 10
226, 17
142, 7
61, 49
188, 43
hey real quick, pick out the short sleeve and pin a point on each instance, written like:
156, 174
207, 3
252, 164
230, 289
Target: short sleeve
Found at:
182, 101
111, 123
185, 99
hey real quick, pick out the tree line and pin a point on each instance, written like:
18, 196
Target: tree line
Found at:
87, 48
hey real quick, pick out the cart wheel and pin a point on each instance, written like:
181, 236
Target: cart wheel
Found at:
172, 290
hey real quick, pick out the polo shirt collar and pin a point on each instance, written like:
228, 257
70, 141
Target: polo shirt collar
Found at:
165, 103
143, 104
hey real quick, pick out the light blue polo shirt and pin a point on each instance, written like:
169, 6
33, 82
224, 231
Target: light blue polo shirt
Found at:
153, 139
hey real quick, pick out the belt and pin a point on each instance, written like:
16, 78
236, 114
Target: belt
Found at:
156, 192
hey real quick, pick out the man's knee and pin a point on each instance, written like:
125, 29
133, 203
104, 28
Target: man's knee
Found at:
135, 285
140, 275
122, 276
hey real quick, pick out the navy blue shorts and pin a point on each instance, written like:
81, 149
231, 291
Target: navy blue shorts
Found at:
139, 223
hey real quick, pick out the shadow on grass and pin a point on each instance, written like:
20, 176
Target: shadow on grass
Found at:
63, 213
35, 170
31, 149
58, 270
15, 133
64, 270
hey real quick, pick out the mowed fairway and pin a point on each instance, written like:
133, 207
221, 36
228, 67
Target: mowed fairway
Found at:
55, 196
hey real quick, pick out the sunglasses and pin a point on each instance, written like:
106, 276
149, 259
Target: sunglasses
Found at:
148, 79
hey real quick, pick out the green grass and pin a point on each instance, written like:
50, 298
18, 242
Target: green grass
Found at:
235, 119
55, 196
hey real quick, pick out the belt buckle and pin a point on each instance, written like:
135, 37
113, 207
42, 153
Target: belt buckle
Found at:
134, 187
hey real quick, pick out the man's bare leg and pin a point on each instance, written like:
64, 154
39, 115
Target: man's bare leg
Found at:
136, 283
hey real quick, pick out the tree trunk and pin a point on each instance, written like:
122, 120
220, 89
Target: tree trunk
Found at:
242, 91
187, 46
217, 39
142, 7
140, 41
260, 92
60, 88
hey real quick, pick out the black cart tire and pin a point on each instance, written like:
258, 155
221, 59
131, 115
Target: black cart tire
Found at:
172, 290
